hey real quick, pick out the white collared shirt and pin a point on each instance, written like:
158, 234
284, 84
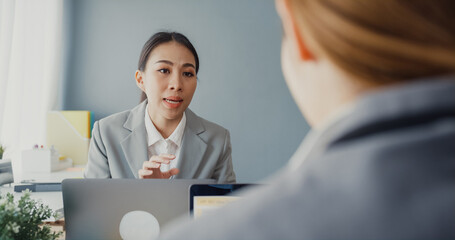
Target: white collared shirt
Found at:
158, 145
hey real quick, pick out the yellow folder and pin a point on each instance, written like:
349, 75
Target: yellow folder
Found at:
69, 132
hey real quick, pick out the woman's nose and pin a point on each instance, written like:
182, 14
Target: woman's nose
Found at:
175, 83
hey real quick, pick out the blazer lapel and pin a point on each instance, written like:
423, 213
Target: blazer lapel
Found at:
134, 145
193, 147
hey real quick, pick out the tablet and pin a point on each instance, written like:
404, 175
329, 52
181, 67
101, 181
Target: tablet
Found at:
204, 198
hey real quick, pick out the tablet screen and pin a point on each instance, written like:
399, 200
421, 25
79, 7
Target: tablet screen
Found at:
205, 198
205, 204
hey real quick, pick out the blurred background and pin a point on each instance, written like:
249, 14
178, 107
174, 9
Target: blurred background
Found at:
82, 55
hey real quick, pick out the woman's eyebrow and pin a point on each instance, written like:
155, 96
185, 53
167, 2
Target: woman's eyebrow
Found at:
172, 64
165, 61
189, 65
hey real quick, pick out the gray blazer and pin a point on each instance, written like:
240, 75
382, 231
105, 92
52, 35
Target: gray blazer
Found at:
118, 148
385, 171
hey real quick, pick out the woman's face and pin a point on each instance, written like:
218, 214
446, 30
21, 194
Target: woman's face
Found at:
169, 81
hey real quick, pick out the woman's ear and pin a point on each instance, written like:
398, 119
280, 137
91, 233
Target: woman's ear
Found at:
139, 80
292, 30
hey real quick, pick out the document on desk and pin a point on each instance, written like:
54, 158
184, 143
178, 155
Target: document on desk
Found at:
39, 187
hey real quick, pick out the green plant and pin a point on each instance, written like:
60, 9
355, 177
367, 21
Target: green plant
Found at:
24, 219
2, 150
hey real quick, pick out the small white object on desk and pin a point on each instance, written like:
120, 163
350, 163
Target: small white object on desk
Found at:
43, 160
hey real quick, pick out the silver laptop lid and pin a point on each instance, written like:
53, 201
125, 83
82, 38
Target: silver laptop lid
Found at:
94, 208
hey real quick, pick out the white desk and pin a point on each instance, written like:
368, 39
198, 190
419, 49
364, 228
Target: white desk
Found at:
53, 199
74, 172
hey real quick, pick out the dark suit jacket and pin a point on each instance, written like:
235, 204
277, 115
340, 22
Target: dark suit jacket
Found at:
385, 171
118, 148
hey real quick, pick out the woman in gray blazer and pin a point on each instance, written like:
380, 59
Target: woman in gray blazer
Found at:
161, 137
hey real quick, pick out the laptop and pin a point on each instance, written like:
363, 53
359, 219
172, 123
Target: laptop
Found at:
97, 208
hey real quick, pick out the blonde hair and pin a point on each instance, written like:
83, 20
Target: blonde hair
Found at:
382, 40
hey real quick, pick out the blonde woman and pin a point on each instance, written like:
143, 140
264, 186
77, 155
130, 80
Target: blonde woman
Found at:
376, 81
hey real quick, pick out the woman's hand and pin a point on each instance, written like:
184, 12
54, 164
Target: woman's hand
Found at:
151, 168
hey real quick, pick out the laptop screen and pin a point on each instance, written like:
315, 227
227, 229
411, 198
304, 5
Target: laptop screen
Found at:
205, 198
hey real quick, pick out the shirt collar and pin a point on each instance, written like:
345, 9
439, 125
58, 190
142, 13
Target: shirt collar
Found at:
177, 135
154, 136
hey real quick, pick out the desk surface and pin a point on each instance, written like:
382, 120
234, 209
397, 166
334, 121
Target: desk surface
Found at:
73, 172
53, 199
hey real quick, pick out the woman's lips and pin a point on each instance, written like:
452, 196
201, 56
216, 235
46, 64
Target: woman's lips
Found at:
172, 102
